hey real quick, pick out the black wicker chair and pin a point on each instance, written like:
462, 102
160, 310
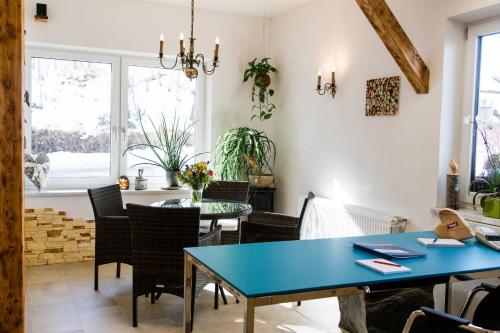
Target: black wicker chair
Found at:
272, 227
159, 236
233, 191
485, 318
112, 243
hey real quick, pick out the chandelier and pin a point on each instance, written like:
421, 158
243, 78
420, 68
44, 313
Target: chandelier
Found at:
188, 60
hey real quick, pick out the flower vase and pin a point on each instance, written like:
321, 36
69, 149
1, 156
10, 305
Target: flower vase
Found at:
196, 195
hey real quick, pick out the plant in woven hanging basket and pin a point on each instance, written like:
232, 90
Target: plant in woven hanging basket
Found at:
261, 93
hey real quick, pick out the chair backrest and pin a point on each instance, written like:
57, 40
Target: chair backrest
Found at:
159, 236
307, 200
487, 314
106, 201
227, 190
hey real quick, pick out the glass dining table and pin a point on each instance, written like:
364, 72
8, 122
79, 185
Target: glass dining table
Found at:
211, 209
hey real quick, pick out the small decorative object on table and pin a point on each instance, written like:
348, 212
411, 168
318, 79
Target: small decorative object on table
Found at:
36, 169
141, 183
487, 185
453, 226
452, 186
124, 183
197, 176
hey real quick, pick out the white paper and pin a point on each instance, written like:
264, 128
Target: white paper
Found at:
381, 268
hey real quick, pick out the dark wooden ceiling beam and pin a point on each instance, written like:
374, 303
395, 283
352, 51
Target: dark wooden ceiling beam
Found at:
11, 166
397, 42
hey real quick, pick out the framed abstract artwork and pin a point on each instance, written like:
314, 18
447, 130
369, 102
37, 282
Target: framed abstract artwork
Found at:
382, 96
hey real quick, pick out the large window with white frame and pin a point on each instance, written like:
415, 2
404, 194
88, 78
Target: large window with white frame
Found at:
482, 102
85, 110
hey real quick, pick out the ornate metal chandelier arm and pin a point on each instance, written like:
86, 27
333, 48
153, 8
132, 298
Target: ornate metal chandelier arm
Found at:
175, 63
328, 88
200, 58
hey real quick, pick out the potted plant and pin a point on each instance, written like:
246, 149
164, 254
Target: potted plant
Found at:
167, 145
197, 176
487, 187
245, 153
261, 92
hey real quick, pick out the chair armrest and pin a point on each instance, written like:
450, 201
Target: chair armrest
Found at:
463, 277
211, 238
273, 219
489, 287
444, 317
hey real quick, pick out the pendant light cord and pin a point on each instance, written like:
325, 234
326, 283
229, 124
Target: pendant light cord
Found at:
192, 18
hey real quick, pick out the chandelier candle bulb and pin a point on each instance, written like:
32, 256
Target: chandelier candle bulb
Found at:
216, 50
333, 75
319, 79
162, 41
181, 43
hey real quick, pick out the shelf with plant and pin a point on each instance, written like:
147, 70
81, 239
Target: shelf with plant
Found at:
167, 144
245, 154
261, 72
487, 186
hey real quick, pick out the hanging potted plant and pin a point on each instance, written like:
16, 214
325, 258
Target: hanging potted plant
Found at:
261, 93
167, 144
244, 153
487, 187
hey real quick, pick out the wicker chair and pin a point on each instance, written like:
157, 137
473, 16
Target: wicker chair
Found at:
272, 227
233, 191
159, 236
112, 243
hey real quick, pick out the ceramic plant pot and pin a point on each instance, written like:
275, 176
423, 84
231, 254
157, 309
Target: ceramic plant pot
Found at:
171, 179
262, 81
491, 207
261, 180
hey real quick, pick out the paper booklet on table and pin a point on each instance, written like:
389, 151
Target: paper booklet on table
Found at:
440, 242
389, 251
383, 266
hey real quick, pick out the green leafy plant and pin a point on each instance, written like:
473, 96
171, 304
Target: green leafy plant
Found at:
261, 92
244, 151
166, 143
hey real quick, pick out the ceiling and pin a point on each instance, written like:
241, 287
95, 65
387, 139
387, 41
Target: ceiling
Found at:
244, 7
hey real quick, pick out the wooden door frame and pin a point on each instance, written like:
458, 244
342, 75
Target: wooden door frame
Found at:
11, 166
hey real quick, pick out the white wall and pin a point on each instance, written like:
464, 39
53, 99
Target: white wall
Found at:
329, 146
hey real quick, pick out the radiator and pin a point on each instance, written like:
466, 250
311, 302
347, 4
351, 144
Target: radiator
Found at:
328, 218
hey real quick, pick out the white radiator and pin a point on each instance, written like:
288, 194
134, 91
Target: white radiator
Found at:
328, 218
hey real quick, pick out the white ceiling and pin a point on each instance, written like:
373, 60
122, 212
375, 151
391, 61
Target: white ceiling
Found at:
245, 7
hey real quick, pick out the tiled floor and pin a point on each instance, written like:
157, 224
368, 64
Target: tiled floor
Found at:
61, 299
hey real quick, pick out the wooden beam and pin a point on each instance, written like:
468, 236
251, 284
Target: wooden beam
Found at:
11, 166
397, 42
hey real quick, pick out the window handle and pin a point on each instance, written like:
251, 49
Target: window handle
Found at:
124, 133
114, 132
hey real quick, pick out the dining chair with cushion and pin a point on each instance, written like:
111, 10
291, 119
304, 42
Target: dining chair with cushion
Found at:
159, 236
112, 238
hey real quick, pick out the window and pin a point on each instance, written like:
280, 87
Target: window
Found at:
486, 104
85, 111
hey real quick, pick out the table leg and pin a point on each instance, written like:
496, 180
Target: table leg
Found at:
188, 283
447, 297
248, 324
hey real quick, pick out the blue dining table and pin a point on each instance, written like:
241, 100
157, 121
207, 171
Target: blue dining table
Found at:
262, 274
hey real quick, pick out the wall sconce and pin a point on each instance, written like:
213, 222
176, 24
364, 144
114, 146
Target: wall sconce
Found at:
329, 88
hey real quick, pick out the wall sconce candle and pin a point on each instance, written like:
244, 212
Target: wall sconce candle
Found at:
330, 88
162, 41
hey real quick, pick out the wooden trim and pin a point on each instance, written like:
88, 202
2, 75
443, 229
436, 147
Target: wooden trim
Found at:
11, 166
397, 42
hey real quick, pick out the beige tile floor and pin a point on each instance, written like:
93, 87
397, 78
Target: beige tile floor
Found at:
61, 299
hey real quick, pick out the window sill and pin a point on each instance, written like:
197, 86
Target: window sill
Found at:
471, 215
83, 192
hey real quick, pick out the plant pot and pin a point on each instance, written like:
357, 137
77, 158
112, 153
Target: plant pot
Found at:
171, 179
262, 81
491, 207
261, 180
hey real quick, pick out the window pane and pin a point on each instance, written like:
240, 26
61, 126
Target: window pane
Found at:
71, 116
488, 103
151, 93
